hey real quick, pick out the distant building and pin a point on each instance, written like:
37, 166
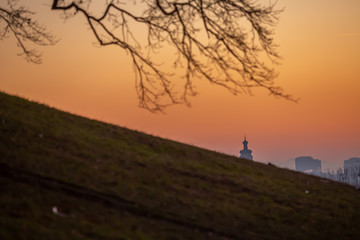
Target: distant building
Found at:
352, 163
307, 164
246, 153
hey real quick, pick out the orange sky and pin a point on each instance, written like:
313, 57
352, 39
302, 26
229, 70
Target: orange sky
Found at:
319, 41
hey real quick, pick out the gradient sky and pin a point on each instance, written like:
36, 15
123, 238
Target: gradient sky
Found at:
320, 44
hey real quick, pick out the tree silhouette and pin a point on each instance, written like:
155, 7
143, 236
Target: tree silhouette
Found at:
221, 41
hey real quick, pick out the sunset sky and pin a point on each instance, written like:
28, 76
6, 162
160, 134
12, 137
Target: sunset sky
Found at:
320, 45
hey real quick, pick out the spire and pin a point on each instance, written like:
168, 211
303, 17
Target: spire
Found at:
245, 143
246, 153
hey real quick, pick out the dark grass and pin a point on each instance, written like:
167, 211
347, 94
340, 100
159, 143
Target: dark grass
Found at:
175, 191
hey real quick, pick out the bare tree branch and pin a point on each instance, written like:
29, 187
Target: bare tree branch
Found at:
17, 21
224, 42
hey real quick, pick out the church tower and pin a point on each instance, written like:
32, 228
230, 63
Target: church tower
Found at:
246, 153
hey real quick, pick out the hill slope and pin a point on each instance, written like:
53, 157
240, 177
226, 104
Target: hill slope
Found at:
67, 177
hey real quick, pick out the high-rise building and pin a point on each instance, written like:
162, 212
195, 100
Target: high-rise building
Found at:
246, 153
307, 164
352, 163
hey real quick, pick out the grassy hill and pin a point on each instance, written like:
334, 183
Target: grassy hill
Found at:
67, 177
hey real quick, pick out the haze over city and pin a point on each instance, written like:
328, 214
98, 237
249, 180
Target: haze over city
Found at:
319, 45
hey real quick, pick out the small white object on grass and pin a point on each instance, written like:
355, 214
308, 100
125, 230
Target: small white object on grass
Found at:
56, 211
